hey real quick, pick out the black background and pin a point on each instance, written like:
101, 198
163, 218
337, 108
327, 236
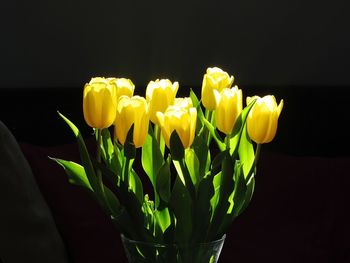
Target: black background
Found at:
269, 43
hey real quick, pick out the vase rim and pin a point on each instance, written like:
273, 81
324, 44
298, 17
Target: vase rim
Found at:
124, 238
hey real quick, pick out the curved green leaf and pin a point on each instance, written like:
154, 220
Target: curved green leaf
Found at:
163, 183
84, 155
246, 152
215, 134
162, 218
202, 208
238, 129
181, 205
176, 148
192, 164
226, 188
151, 157
76, 173
135, 185
202, 152
110, 153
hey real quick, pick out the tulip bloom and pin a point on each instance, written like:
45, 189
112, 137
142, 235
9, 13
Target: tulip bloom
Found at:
124, 86
183, 102
160, 94
228, 109
130, 111
99, 103
214, 81
182, 120
263, 118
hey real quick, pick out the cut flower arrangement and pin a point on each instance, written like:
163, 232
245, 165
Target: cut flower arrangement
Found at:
199, 155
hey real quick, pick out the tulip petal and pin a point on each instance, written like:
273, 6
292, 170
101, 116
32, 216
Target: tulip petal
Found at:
280, 107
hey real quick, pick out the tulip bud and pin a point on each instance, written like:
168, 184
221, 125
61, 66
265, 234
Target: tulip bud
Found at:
131, 111
160, 94
124, 86
182, 120
228, 109
99, 103
263, 118
214, 81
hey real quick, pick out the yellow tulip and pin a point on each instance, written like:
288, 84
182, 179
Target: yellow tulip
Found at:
228, 109
99, 103
124, 86
263, 118
160, 94
183, 102
214, 81
130, 111
180, 119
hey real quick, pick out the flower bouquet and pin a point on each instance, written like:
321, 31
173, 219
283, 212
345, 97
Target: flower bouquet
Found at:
198, 156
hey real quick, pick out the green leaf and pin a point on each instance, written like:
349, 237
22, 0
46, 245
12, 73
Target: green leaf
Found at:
181, 205
177, 152
129, 147
239, 127
176, 148
226, 188
216, 184
148, 209
240, 198
218, 160
202, 208
110, 153
236, 199
77, 176
164, 182
214, 134
202, 152
248, 195
192, 164
108, 172
75, 172
113, 203
185, 177
84, 155
246, 152
131, 203
151, 157
135, 185
216, 171
162, 218
239, 192
106, 146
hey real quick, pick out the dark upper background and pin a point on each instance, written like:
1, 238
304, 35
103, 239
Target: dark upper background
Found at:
278, 42
297, 50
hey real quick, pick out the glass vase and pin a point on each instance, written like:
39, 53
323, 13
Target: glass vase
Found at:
143, 252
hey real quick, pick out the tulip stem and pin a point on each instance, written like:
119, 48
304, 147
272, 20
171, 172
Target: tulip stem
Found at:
209, 117
227, 142
98, 149
257, 153
98, 158
126, 169
157, 129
